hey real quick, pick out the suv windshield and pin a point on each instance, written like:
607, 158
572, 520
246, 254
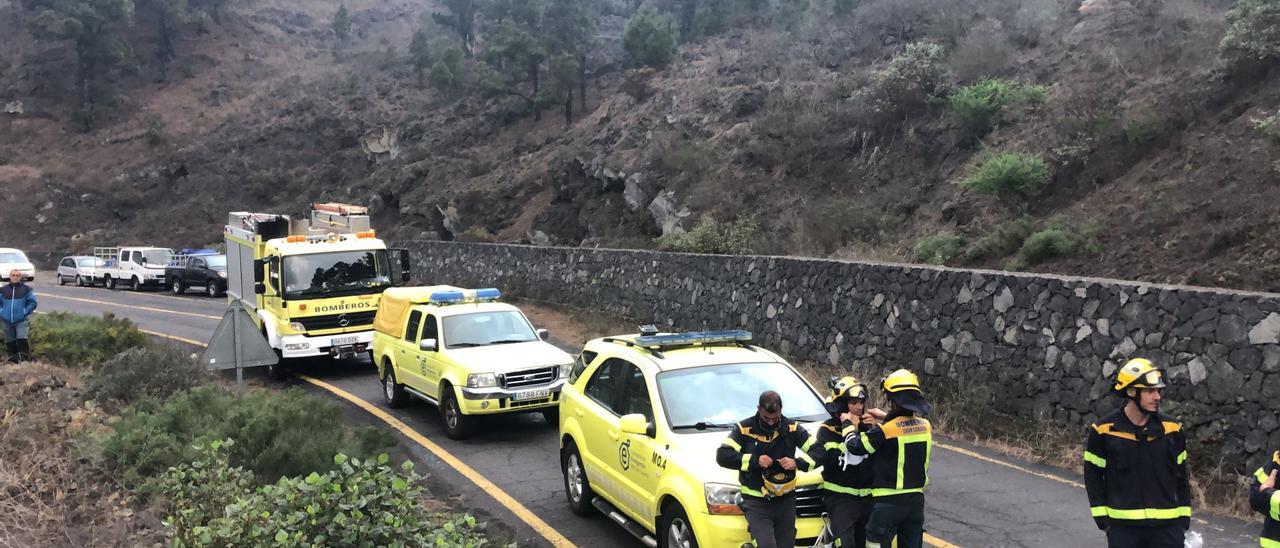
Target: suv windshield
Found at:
716, 396
486, 328
11, 257
343, 272
216, 262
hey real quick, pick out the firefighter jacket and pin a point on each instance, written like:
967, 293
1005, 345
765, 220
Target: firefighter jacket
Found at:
742, 449
1137, 476
899, 450
842, 472
1267, 503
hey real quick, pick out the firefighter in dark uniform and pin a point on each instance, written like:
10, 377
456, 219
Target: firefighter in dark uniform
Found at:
1265, 499
899, 450
846, 478
1135, 466
763, 449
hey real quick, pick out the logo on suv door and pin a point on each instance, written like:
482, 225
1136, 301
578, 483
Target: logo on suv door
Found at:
624, 454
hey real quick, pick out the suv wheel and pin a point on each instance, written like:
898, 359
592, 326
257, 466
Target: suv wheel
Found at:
135, 284
62, 280
392, 392
676, 531
79, 281
456, 425
576, 487
178, 287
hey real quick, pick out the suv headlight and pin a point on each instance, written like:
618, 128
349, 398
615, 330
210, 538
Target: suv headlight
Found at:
482, 380
297, 326
723, 499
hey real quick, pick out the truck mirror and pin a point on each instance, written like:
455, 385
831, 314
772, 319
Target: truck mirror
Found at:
406, 266
259, 288
259, 272
428, 345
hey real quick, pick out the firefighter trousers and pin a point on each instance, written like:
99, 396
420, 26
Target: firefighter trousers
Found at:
771, 522
1169, 536
891, 520
848, 515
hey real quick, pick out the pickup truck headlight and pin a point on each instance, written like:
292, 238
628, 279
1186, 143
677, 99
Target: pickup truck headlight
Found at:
723, 499
482, 380
297, 326
565, 370
222, 274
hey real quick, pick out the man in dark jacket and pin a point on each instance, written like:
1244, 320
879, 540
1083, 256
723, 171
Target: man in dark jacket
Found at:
1265, 500
1135, 466
846, 478
17, 303
763, 449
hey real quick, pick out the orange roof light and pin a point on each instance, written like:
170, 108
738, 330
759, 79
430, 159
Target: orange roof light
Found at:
296, 239
366, 234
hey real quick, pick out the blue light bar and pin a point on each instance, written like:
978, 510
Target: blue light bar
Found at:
488, 294
466, 296
446, 297
695, 337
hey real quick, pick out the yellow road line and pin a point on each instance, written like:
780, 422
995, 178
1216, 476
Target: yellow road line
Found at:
127, 292
937, 542
547, 532
147, 308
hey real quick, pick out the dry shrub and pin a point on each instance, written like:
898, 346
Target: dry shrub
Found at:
981, 54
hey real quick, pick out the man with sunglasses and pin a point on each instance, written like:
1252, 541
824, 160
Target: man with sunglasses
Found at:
763, 449
1135, 466
846, 478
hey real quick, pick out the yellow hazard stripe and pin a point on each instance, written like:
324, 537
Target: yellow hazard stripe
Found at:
1275, 506
1098, 511
1145, 513
1182, 457
1095, 460
837, 488
885, 492
1268, 543
1260, 475
833, 445
732, 444
808, 444
808, 459
866, 444
746, 463
849, 430
749, 491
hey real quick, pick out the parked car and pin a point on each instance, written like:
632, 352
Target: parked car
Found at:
204, 268
138, 267
81, 269
11, 259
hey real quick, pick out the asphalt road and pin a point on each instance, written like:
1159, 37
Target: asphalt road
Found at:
975, 497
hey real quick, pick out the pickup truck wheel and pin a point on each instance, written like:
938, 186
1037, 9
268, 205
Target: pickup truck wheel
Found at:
392, 392
676, 531
135, 284
79, 281
576, 487
211, 289
178, 287
552, 416
456, 425
109, 282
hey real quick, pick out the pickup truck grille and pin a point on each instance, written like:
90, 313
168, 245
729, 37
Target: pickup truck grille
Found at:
809, 503
334, 321
529, 377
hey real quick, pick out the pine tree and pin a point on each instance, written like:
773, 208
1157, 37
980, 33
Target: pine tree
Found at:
461, 17
341, 27
92, 26
649, 39
420, 53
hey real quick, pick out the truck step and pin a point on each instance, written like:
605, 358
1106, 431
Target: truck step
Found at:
627, 523
422, 396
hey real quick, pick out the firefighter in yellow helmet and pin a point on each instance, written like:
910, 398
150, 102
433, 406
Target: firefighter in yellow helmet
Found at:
1265, 499
846, 478
899, 450
1135, 466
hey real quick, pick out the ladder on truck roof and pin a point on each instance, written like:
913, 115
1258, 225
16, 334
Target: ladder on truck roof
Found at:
338, 217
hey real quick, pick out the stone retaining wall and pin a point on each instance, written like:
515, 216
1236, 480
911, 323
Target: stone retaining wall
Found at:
1044, 346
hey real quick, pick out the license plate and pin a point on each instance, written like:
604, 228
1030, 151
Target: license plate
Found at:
531, 394
343, 341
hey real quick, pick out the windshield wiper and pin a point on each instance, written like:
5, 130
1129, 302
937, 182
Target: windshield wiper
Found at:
465, 345
509, 341
701, 426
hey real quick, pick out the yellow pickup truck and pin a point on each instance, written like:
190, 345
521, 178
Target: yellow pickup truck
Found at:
466, 353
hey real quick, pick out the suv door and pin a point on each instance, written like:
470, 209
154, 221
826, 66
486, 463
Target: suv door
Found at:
408, 358
432, 367
636, 466
604, 451
194, 273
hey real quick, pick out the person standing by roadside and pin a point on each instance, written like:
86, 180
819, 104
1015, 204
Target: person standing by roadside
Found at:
1135, 466
763, 449
846, 478
1265, 500
17, 303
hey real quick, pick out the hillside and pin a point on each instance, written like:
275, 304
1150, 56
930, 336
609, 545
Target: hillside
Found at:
817, 122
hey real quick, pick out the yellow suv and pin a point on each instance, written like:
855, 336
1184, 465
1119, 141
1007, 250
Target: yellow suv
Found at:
465, 353
640, 421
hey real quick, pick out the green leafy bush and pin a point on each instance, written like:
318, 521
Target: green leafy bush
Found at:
711, 236
1004, 240
78, 340
649, 39
1253, 31
1268, 126
980, 105
938, 249
357, 503
1009, 173
1057, 241
157, 371
913, 76
1144, 127
279, 433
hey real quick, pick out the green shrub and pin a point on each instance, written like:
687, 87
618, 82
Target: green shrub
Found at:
913, 76
1060, 240
278, 433
979, 105
1004, 240
938, 249
1009, 173
78, 340
711, 236
357, 503
1253, 31
649, 39
1268, 126
1144, 127
157, 371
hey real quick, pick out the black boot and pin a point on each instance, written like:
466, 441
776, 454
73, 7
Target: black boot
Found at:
12, 347
24, 350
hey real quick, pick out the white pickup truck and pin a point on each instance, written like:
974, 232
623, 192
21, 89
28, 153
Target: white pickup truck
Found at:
137, 267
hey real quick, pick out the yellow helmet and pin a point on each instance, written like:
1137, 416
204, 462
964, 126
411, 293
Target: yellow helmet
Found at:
901, 381
846, 387
1139, 373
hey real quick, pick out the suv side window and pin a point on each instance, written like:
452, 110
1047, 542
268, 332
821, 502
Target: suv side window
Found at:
634, 397
604, 384
431, 330
67, 262
580, 364
411, 330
